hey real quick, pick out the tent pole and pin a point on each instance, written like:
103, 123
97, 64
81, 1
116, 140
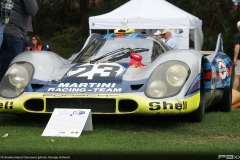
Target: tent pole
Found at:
90, 31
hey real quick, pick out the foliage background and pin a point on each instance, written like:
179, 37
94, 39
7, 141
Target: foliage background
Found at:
66, 21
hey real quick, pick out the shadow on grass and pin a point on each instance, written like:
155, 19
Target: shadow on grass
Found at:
145, 120
138, 122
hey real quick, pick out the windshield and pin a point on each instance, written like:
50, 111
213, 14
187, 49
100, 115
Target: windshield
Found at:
104, 47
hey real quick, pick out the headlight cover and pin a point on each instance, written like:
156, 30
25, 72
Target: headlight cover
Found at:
176, 75
16, 79
157, 88
167, 79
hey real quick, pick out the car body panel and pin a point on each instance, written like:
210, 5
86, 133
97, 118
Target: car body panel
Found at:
145, 105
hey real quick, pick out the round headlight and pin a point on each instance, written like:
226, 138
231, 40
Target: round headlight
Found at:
16, 79
176, 75
18, 74
157, 89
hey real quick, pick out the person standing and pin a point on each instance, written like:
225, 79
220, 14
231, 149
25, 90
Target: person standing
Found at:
169, 40
236, 58
6, 9
236, 4
158, 34
26, 43
15, 31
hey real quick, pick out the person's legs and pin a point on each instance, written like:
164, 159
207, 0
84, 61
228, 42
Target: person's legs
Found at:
237, 76
236, 81
11, 47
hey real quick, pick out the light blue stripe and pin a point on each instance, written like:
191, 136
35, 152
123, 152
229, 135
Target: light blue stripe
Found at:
133, 35
108, 35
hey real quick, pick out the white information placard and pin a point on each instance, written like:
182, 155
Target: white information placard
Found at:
68, 122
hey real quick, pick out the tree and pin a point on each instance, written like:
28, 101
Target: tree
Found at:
66, 21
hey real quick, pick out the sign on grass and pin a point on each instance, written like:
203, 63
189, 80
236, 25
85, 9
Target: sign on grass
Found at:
68, 122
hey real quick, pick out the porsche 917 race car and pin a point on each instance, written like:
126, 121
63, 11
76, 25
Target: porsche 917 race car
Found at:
119, 73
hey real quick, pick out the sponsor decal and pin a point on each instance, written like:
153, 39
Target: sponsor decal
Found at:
165, 105
104, 71
85, 87
6, 105
223, 70
178, 31
93, 24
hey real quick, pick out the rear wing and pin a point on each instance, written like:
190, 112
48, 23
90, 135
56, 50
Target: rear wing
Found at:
219, 47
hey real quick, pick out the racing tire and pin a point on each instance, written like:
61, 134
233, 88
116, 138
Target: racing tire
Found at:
197, 115
225, 104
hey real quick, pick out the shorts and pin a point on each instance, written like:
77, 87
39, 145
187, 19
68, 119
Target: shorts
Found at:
237, 68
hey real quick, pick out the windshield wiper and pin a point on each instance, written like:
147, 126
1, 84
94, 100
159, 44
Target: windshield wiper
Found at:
107, 56
117, 54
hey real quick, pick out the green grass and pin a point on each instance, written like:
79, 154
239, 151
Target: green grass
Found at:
217, 134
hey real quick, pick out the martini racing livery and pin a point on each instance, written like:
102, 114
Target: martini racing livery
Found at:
120, 73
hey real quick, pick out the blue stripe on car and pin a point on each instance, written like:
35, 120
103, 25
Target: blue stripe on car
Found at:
195, 87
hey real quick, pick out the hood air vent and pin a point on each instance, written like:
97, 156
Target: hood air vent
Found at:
136, 87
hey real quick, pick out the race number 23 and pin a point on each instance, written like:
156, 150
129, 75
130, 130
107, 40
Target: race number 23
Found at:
95, 72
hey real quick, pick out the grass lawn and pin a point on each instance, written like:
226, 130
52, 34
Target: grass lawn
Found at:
125, 137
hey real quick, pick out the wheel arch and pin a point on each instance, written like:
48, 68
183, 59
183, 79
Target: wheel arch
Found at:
208, 73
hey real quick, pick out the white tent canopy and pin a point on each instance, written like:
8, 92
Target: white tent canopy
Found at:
146, 14
152, 15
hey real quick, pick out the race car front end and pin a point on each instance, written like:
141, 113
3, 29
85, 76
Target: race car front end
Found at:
158, 94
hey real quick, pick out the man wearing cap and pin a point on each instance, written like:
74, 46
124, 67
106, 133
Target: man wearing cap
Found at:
169, 40
236, 59
159, 36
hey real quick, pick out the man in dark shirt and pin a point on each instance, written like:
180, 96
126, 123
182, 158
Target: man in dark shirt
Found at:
236, 59
15, 31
